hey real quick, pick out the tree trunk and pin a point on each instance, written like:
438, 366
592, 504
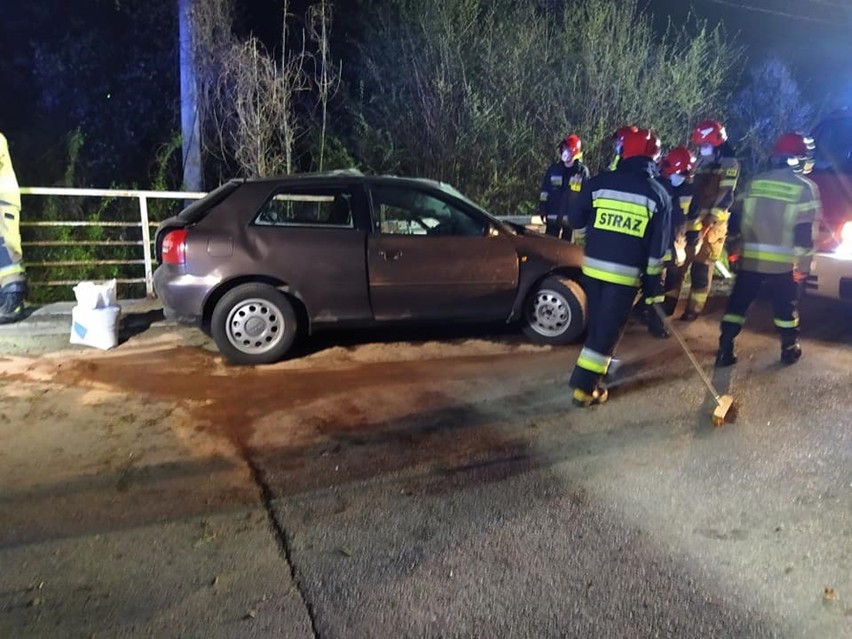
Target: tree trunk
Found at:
189, 118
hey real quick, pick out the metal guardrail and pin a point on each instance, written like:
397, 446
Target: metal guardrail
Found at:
144, 224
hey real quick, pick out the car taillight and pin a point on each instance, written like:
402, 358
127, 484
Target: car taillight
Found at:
174, 247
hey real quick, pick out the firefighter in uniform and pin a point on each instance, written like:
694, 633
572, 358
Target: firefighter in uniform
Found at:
626, 215
561, 183
775, 226
676, 175
617, 146
714, 183
13, 283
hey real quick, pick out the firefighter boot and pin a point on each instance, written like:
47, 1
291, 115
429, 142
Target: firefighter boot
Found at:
656, 326
725, 356
612, 369
790, 353
12, 302
689, 315
583, 399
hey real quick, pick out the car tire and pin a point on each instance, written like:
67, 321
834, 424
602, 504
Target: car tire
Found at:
555, 312
254, 324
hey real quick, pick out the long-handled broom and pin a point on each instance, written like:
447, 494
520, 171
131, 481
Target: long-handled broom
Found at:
723, 402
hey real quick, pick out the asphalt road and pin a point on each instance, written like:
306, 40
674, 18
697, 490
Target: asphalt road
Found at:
417, 483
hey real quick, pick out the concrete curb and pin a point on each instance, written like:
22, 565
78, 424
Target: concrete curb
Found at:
55, 318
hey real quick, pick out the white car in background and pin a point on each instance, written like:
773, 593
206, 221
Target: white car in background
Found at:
831, 270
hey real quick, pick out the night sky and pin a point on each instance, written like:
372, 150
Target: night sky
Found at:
813, 36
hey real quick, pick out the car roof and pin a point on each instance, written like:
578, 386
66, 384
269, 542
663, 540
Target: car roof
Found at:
344, 175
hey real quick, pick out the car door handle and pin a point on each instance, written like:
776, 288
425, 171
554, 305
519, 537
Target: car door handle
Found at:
390, 256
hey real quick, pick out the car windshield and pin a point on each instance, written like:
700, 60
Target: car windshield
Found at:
198, 209
451, 190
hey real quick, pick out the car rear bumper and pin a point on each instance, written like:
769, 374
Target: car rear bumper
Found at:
831, 277
182, 294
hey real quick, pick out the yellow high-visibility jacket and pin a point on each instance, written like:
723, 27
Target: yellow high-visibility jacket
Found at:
777, 222
714, 184
10, 194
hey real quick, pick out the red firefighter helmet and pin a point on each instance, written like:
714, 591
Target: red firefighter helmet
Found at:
573, 144
654, 148
620, 132
678, 160
710, 132
641, 142
794, 145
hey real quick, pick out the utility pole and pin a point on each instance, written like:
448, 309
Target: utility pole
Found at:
189, 116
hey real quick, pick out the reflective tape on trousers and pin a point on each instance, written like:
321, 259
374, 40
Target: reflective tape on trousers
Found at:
593, 361
793, 323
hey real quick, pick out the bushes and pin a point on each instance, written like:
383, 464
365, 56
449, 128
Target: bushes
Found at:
768, 105
478, 92
76, 247
472, 92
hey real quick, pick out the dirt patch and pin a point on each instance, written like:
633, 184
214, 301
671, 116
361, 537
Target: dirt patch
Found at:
228, 400
341, 415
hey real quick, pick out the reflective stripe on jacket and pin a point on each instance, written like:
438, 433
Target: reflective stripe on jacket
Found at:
626, 215
774, 205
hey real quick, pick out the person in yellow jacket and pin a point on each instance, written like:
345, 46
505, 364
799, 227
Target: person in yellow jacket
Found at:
775, 226
13, 283
715, 180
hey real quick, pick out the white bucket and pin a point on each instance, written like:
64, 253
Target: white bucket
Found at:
97, 327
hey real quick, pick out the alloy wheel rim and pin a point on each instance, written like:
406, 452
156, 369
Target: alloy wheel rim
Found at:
255, 326
549, 314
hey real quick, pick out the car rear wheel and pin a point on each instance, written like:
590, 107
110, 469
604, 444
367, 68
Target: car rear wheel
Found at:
555, 312
254, 324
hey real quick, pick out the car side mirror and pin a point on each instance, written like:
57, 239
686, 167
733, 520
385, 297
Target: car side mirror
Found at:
492, 231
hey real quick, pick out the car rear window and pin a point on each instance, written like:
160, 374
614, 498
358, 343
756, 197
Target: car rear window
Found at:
196, 211
321, 207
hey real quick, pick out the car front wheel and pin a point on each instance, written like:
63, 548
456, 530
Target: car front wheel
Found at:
254, 324
555, 312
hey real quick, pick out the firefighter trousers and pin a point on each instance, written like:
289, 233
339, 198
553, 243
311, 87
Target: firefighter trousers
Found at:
609, 308
672, 285
703, 264
785, 302
11, 266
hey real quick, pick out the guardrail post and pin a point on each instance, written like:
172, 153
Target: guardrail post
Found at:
146, 246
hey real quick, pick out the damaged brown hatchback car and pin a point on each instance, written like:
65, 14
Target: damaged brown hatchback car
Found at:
258, 262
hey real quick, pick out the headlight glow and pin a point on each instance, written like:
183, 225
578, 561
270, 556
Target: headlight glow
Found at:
845, 246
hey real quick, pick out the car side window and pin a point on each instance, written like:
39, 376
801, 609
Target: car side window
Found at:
402, 211
326, 208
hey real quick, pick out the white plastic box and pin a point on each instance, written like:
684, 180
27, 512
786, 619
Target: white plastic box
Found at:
95, 318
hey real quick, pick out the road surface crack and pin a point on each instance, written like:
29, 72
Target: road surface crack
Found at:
284, 541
